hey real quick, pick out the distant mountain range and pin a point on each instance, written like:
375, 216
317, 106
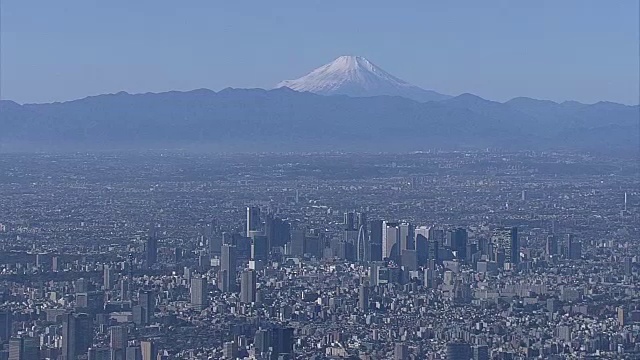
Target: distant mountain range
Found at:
286, 120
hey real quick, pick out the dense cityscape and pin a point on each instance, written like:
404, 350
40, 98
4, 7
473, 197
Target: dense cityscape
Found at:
430, 255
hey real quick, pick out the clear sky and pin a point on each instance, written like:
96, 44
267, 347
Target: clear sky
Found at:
551, 49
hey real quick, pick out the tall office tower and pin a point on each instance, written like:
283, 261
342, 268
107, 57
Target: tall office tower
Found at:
409, 260
621, 316
125, 289
627, 267
69, 342
84, 333
24, 348
199, 298
278, 232
107, 277
506, 239
133, 353
574, 248
314, 244
151, 248
297, 242
253, 219
350, 231
248, 287
401, 352
149, 350
81, 285
350, 221
147, 300
228, 268
227, 239
437, 234
363, 249
363, 297
433, 251
214, 243
54, 264
421, 240
361, 220
459, 239
102, 353
282, 342
31, 348
552, 245
390, 239
118, 338
5, 327
262, 341
407, 237
16, 349
481, 352
375, 239
259, 248
458, 350
229, 350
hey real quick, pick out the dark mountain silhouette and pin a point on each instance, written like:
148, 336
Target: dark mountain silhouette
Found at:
287, 120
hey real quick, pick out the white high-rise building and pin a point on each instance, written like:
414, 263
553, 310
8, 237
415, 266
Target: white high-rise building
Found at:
390, 239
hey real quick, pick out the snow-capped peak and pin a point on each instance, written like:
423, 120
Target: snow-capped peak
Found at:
357, 76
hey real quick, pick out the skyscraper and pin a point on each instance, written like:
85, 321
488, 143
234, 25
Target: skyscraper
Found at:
458, 350
69, 344
349, 221
481, 352
5, 326
375, 239
390, 239
363, 249
363, 297
227, 280
199, 299
407, 237
23, 348
253, 219
282, 341
297, 242
506, 239
401, 352
262, 341
458, 239
229, 350
133, 353
151, 248
248, 286
146, 299
260, 248
118, 337
149, 350
107, 277
574, 248
278, 232
421, 234
552, 245
84, 333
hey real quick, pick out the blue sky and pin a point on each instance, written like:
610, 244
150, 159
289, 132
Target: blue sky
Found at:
560, 50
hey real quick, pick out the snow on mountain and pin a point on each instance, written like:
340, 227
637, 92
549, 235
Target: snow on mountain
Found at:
358, 77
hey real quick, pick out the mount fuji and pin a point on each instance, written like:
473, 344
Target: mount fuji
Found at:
356, 76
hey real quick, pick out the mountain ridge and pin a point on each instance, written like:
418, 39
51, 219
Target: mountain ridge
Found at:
287, 120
